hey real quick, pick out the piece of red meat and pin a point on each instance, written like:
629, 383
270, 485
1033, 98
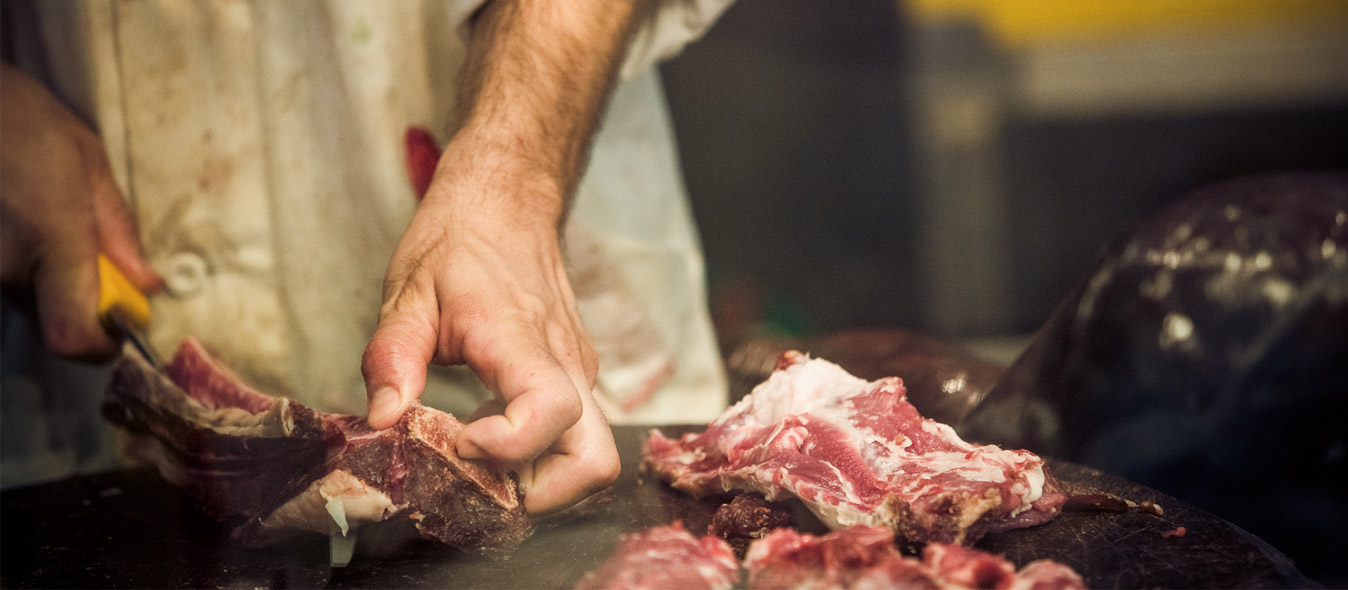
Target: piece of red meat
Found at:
267, 465
786, 558
746, 518
856, 452
666, 557
865, 557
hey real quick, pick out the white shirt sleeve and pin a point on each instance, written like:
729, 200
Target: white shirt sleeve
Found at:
674, 24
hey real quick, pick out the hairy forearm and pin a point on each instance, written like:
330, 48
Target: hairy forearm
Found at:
479, 277
537, 77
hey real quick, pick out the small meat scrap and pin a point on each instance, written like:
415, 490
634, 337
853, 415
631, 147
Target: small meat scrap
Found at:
1094, 502
266, 465
856, 452
1151, 507
666, 557
866, 557
1178, 531
747, 517
1085, 497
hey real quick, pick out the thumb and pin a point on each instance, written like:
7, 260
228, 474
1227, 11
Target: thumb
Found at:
394, 364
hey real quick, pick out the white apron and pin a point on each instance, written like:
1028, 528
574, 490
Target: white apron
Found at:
260, 145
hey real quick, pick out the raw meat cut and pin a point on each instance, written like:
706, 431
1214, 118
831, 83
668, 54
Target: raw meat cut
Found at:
865, 557
666, 557
942, 378
269, 465
856, 452
746, 518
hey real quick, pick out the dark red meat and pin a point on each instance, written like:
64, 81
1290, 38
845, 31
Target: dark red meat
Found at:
266, 465
746, 518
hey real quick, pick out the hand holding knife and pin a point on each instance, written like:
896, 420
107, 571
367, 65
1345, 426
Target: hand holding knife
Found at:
123, 309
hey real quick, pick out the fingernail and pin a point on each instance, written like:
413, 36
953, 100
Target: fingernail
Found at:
383, 404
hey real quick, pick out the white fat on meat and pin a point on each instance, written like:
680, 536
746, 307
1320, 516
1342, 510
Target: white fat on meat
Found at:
334, 504
811, 388
808, 406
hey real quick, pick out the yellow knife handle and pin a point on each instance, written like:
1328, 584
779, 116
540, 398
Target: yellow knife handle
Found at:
117, 294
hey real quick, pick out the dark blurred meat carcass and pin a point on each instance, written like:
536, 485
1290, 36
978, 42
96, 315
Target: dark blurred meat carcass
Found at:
1206, 355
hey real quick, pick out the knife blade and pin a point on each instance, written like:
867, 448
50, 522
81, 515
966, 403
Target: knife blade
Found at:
123, 309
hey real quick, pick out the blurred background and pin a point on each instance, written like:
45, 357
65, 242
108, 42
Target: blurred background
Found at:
953, 166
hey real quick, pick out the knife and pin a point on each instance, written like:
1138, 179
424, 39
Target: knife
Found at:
123, 309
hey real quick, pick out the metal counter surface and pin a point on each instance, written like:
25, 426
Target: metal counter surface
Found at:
130, 528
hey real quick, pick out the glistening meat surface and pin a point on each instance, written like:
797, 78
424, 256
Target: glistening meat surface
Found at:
268, 465
865, 557
857, 453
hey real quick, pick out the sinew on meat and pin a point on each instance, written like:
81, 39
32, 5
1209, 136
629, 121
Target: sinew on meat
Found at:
865, 557
857, 453
267, 465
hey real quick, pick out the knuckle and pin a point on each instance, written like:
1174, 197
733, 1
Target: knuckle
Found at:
605, 470
596, 473
590, 360
569, 410
515, 454
381, 356
376, 353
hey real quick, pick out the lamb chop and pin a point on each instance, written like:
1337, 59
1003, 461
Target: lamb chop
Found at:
268, 466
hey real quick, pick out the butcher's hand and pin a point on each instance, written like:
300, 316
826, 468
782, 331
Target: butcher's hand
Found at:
59, 207
478, 279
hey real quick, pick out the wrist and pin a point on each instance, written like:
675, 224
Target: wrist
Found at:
483, 179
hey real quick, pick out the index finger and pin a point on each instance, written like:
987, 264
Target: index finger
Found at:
542, 403
588, 463
394, 364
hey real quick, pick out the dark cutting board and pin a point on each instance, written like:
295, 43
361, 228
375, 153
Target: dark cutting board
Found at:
131, 529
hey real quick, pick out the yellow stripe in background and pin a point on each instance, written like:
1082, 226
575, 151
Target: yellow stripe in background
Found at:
1034, 22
